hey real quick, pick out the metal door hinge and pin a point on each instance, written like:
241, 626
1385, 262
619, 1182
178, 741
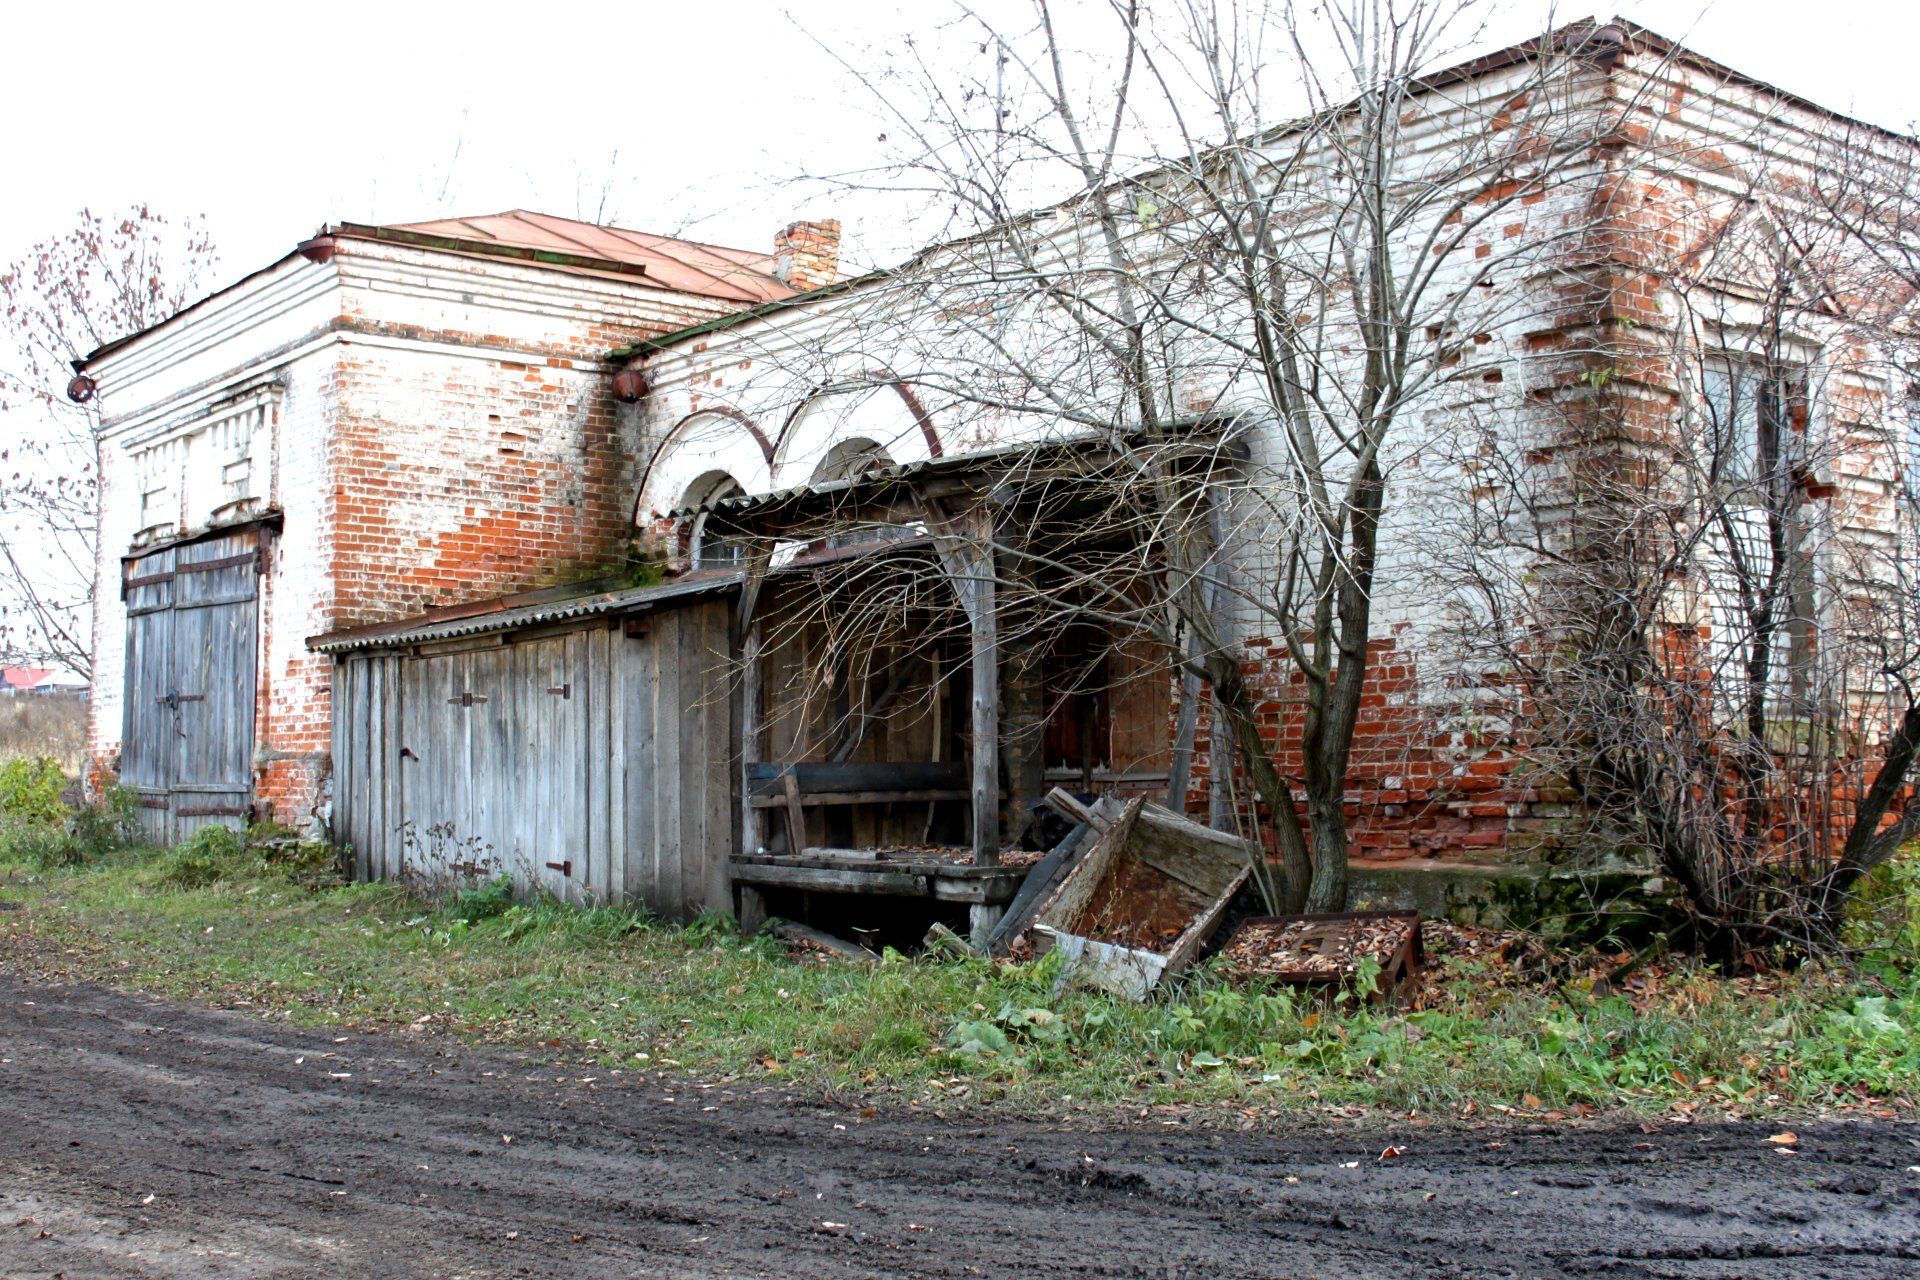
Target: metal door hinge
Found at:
466, 699
561, 690
564, 868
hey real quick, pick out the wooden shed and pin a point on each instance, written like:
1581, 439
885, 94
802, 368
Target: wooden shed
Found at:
583, 746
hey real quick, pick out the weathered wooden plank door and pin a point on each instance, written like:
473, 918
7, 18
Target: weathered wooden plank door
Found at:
192, 629
495, 775
547, 765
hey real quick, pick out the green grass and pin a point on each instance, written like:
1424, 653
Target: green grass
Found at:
223, 924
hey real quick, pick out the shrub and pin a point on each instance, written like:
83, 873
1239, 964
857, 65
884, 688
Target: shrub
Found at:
30, 790
37, 844
482, 902
206, 857
1887, 909
282, 851
109, 825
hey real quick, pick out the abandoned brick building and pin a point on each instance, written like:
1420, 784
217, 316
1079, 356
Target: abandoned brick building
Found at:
385, 420
416, 432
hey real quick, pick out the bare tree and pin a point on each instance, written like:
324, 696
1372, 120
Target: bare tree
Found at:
1274, 241
1704, 583
65, 297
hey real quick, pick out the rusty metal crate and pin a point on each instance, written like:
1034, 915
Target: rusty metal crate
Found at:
1399, 969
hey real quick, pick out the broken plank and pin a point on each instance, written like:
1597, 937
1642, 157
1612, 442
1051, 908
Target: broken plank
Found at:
824, 941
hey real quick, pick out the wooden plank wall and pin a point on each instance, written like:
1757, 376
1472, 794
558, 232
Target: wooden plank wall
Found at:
595, 763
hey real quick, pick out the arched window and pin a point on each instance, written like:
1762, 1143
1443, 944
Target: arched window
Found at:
848, 458
705, 551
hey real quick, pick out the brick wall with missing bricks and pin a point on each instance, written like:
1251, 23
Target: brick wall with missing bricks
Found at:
447, 433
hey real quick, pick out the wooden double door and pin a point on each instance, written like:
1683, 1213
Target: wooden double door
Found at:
193, 624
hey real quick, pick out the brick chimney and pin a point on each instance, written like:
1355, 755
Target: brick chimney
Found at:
807, 254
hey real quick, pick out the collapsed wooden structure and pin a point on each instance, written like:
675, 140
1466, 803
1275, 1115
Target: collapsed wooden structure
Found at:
848, 707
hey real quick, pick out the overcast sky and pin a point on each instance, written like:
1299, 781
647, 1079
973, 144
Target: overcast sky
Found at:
270, 119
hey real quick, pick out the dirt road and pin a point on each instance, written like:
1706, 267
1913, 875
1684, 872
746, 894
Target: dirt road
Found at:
140, 1138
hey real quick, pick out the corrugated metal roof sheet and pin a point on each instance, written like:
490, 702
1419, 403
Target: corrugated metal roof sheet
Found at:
685, 266
744, 503
1008, 457
502, 615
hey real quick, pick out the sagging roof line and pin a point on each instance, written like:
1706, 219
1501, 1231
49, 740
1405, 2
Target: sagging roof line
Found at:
1222, 429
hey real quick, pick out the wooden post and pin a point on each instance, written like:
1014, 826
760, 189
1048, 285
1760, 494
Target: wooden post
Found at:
1222, 811
982, 919
965, 544
1186, 721
752, 834
753, 909
986, 711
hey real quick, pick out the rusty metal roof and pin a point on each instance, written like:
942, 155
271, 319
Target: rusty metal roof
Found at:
684, 266
508, 613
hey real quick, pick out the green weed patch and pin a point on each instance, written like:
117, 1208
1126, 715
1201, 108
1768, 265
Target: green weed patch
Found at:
219, 920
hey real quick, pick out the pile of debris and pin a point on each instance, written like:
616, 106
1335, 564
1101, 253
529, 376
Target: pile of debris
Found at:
1329, 952
1136, 893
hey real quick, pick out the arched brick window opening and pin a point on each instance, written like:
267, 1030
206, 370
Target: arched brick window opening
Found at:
848, 458
705, 551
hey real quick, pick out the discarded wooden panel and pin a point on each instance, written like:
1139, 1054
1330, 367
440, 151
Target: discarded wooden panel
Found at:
1323, 952
1047, 874
823, 942
1144, 899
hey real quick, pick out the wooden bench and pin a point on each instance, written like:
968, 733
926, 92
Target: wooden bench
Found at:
795, 786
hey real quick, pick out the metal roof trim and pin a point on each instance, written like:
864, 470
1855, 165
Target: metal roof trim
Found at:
424, 630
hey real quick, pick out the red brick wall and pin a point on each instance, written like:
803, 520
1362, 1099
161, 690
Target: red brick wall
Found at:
1416, 788
485, 477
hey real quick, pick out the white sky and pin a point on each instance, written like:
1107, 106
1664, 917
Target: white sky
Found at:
270, 118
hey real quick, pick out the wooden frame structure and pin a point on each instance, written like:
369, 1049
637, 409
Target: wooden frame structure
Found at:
955, 514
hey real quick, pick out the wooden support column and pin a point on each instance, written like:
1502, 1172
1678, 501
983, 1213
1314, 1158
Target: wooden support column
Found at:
984, 620
1186, 721
965, 545
753, 835
982, 919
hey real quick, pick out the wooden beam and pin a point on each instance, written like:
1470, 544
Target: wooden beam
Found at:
796, 816
965, 546
752, 829
809, 800
759, 560
831, 880
1186, 722
1068, 806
